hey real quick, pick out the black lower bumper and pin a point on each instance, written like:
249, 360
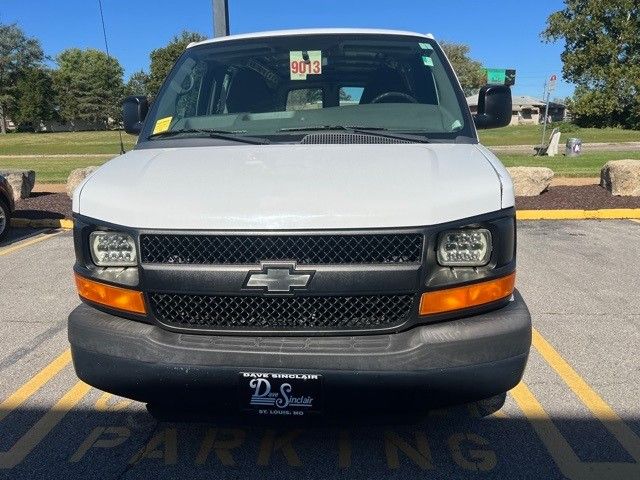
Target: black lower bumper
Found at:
432, 365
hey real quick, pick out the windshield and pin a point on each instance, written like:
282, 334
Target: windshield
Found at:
277, 87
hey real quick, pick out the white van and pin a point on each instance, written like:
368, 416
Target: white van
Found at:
307, 224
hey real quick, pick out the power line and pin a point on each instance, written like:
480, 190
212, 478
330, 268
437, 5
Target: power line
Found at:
104, 30
106, 47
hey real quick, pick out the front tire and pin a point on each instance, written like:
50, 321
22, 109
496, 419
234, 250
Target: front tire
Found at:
489, 406
5, 219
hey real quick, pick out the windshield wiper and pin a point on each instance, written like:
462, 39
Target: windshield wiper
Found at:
312, 128
376, 131
212, 133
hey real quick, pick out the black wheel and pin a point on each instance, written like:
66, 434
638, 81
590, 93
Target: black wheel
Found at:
5, 219
488, 406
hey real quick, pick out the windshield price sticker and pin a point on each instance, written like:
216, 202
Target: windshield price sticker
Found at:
427, 61
162, 125
303, 63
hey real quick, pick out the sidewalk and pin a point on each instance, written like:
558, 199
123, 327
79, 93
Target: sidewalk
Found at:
586, 147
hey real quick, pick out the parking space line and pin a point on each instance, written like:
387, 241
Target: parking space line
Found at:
43, 426
556, 444
103, 404
27, 243
598, 407
562, 453
34, 384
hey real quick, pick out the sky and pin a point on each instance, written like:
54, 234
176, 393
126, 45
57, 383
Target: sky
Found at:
501, 34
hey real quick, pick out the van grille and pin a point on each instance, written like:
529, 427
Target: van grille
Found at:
272, 313
303, 249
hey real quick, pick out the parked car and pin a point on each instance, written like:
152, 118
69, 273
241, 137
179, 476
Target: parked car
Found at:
6, 206
308, 223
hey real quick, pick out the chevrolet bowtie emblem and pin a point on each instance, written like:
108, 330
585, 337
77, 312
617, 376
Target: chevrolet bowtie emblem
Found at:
278, 278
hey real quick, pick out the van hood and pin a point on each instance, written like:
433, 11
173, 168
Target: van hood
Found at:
295, 187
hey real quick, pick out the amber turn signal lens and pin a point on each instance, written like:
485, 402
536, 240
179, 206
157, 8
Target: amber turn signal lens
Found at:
442, 301
110, 296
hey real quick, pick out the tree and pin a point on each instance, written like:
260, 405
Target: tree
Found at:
470, 72
602, 57
162, 59
137, 84
89, 85
17, 54
35, 97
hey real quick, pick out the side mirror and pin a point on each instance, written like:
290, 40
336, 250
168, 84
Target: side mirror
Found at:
134, 111
494, 107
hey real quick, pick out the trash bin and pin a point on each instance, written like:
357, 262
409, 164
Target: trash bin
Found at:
574, 147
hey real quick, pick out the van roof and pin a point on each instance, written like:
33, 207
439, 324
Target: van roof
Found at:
311, 31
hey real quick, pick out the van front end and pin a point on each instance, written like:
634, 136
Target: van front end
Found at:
307, 224
341, 320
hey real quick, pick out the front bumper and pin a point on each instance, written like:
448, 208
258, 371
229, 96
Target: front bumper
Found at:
431, 365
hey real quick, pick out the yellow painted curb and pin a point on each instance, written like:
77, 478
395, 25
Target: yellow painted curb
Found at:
610, 214
42, 223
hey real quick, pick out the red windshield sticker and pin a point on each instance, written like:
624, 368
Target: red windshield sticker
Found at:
303, 63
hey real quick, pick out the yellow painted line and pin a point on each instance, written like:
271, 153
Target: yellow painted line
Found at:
500, 414
603, 214
34, 384
27, 243
103, 404
558, 447
598, 407
42, 427
42, 223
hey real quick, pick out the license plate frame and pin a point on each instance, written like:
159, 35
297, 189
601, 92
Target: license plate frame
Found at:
280, 394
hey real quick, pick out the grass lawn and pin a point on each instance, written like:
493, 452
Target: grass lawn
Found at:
586, 165
51, 170
531, 135
56, 169
61, 143
108, 142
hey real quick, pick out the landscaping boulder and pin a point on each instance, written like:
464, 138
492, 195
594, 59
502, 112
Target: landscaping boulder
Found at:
621, 177
76, 177
21, 182
530, 181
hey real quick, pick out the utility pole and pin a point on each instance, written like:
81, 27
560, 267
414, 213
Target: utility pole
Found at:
220, 18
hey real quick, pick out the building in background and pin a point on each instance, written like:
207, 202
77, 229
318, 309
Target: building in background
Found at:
528, 110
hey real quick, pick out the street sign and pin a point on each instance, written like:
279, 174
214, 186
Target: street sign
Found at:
553, 80
501, 76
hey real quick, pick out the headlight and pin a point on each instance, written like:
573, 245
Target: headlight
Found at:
464, 248
113, 249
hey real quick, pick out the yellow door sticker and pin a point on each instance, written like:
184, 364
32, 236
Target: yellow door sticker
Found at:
162, 125
303, 63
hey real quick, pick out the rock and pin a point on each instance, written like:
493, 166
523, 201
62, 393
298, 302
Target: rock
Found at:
530, 181
21, 182
76, 177
621, 177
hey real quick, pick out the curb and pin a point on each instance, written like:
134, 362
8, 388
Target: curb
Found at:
42, 223
604, 214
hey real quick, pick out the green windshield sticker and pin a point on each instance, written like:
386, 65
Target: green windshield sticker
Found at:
427, 61
305, 62
425, 46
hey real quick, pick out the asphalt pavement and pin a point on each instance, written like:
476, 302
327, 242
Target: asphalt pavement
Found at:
575, 415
